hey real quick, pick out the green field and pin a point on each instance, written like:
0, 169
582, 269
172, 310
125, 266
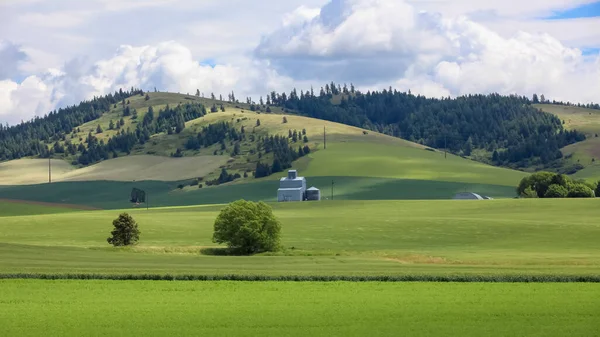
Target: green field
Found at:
60, 308
360, 170
557, 237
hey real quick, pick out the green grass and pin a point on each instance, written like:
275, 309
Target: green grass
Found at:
17, 208
327, 238
60, 308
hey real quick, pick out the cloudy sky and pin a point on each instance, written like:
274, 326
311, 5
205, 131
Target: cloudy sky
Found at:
55, 53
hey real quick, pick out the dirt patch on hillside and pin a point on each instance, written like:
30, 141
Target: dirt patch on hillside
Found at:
50, 204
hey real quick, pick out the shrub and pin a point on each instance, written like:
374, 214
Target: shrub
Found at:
529, 192
579, 190
247, 227
126, 231
556, 191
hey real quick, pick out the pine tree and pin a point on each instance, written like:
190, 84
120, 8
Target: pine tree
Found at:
258, 122
111, 125
98, 129
198, 92
148, 96
305, 139
284, 119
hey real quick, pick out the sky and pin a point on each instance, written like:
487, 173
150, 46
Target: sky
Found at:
60, 52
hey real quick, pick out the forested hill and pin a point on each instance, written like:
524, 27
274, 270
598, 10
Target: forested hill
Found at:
28, 138
502, 130
507, 130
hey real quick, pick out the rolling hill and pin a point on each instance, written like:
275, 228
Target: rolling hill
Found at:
581, 159
362, 164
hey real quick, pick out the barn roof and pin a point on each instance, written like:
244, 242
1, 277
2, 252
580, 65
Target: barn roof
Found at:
313, 189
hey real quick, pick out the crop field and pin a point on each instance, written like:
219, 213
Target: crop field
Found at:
157, 308
533, 237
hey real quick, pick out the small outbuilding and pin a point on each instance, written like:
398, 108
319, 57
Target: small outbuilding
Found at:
468, 196
313, 194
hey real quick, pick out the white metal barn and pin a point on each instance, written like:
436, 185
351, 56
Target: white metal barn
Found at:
292, 187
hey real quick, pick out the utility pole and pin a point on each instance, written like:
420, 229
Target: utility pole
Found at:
332, 190
49, 170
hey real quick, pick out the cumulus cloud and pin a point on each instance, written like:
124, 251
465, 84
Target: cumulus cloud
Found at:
391, 41
11, 56
168, 66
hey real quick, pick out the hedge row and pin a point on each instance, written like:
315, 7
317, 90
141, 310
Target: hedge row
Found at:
398, 278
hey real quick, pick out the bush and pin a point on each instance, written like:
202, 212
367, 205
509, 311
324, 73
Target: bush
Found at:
556, 191
529, 192
247, 227
126, 231
579, 190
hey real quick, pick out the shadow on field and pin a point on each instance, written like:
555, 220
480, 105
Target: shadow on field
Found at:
220, 252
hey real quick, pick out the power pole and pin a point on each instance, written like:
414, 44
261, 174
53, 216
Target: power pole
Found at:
332, 190
49, 170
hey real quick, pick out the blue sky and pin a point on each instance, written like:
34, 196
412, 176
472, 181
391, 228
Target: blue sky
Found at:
584, 11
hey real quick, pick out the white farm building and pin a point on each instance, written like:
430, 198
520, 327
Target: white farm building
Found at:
293, 188
470, 196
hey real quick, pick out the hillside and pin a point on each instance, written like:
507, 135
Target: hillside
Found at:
581, 159
184, 165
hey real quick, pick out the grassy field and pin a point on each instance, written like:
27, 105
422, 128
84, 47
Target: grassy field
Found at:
60, 308
327, 238
586, 153
130, 168
367, 170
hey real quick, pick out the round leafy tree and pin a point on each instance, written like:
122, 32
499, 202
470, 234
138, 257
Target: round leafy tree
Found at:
247, 227
126, 231
580, 191
556, 191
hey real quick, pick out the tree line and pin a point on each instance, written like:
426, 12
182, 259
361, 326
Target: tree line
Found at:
509, 128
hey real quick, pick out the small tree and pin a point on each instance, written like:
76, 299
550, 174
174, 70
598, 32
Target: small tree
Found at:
258, 122
148, 96
99, 129
284, 119
126, 231
247, 227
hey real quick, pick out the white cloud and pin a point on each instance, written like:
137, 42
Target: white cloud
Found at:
390, 41
168, 66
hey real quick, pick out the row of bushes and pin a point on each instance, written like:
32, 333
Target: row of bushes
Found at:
554, 185
308, 278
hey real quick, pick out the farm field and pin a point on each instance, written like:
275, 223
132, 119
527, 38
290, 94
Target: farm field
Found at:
158, 308
360, 171
532, 237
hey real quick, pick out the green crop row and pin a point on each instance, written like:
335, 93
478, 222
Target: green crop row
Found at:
292, 278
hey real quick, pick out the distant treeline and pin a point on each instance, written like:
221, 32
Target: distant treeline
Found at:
508, 127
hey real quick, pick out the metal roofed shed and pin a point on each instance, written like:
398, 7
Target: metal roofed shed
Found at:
313, 194
469, 196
